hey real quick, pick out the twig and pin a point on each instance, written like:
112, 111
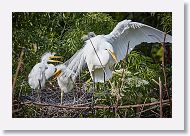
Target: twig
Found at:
142, 108
164, 67
122, 79
161, 103
154, 112
17, 71
163, 60
164, 102
155, 81
164, 71
124, 64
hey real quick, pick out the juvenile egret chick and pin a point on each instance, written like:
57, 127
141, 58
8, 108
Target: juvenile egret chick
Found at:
41, 72
66, 83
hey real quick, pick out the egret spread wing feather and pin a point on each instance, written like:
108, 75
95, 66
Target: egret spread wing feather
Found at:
133, 33
75, 64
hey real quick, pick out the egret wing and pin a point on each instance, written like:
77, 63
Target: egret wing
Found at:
35, 75
49, 71
75, 64
133, 33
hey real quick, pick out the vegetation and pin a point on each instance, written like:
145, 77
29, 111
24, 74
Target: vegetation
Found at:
134, 78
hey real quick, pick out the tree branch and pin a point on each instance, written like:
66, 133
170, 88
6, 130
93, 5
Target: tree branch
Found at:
87, 106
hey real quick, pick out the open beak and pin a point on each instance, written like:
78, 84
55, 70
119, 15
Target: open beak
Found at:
113, 56
57, 74
54, 61
54, 57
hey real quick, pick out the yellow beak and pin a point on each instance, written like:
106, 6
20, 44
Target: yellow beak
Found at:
113, 56
54, 57
54, 61
57, 74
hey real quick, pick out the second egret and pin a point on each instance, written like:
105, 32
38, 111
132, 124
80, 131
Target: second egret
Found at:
41, 72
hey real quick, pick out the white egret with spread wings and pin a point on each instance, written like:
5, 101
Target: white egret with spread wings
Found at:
102, 51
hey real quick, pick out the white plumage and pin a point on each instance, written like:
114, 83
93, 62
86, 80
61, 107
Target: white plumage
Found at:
42, 71
36, 78
99, 52
99, 61
49, 71
135, 33
66, 83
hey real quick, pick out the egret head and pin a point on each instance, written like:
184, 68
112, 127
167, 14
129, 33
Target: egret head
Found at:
88, 36
48, 57
110, 50
59, 71
91, 34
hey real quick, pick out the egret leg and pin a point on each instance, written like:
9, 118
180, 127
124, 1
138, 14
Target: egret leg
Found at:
93, 89
62, 96
104, 82
74, 99
32, 92
93, 83
92, 104
39, 91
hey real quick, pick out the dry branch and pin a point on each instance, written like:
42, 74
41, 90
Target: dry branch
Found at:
87, 106
142, 108
164, 66
161, 102
17, 71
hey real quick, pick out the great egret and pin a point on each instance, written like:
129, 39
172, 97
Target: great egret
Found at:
42, 71
102, 51
66, 83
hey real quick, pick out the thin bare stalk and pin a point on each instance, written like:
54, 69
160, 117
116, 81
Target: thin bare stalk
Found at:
164, 67
17, 72
155, 82
154, 107
161, 102
142, 108
155, 112
124, 65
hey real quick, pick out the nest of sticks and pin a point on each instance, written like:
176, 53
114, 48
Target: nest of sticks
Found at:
76, 104
49, 104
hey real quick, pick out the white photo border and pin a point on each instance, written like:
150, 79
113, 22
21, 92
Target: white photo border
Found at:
174, 123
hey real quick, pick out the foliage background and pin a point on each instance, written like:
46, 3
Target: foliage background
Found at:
62, 32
